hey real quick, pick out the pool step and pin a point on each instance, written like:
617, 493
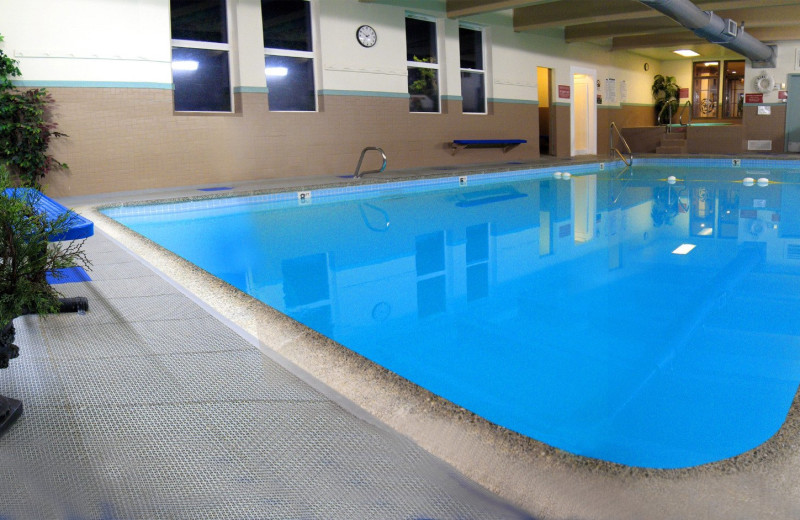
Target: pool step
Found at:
673, 143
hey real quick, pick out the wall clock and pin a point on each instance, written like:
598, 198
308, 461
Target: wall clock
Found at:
366, 36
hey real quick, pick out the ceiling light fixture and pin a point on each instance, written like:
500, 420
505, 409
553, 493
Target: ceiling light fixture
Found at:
686, 53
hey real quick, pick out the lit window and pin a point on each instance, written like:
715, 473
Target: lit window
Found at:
423, 64
473, 83
289, 55
200, 54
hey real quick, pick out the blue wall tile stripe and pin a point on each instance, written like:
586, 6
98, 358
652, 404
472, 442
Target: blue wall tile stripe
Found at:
92, 84
365, 93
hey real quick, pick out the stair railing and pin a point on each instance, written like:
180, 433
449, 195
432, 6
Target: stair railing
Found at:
612, 131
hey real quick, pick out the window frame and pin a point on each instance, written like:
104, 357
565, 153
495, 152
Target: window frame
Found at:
482, 72
212, 46
422, 65
288, 53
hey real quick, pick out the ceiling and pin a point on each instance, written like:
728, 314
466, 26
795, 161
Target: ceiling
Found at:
631, 25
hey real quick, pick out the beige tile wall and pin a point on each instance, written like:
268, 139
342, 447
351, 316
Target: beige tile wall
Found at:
130, 139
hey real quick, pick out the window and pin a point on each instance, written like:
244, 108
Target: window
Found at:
733, 89
423, 65
200, 56
705, 99
289, 55
473, 84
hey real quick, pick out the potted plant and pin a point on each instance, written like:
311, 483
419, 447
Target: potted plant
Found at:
666, 92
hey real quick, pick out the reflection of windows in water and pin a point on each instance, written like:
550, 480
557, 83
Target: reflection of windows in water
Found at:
306, 291
666, 205
431, 276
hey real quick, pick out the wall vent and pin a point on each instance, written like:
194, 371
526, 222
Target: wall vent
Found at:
793, 251
759, 145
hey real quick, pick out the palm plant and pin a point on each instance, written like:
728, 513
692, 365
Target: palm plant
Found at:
666, 92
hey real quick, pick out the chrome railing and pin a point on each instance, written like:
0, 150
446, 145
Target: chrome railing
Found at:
683, 109
614, 130
668, 107
358, 174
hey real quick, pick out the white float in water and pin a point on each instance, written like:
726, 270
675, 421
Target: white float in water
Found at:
763, 181
748, 181
671, 179
557, 175
566, 175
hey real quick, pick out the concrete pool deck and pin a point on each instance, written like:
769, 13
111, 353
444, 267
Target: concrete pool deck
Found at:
156, 400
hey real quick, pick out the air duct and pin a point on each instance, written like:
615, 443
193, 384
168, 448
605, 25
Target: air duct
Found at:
715, 29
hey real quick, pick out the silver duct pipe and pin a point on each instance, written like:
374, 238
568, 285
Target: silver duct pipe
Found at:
715, 29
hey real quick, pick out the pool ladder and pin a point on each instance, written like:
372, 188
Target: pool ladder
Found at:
358, 174
612, 130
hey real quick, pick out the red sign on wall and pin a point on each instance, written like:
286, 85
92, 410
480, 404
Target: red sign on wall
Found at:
754, 98
563, 91
783, 94
683, 93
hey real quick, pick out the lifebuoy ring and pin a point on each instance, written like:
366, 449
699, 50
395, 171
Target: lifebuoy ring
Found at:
764, 83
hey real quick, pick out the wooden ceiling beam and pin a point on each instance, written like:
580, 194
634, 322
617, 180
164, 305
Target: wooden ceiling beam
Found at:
687, 38
577, 12
459, 8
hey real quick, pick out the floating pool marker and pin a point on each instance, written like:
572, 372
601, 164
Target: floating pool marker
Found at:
748, 181
762, 181
566, 175
671, 179
557, 175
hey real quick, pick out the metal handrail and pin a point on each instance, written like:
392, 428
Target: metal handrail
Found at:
683, 109
357, 175
667, 106
613, 148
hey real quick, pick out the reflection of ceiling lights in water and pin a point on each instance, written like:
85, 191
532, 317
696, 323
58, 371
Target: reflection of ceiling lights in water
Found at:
706, 231
683, 249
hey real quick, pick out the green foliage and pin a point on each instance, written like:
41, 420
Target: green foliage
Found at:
426, 84
26, 253
25, 127
665, 91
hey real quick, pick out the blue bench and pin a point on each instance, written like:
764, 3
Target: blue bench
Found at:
79, 227
505, 144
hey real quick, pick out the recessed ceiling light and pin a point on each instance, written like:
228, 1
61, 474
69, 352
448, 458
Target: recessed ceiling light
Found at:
686, 53
683, 249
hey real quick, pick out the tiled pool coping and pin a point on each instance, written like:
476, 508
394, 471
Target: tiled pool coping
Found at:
523, 470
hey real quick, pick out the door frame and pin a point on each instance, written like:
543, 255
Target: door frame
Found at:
591, 116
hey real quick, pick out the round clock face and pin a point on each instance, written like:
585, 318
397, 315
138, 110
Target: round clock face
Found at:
367, 36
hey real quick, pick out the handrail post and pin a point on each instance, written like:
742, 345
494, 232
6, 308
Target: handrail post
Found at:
357, 174
613, 128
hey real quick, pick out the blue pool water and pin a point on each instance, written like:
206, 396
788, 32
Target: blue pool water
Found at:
555, 308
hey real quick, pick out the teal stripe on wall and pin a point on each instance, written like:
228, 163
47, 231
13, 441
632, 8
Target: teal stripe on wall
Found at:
92, 84
765, 104
250, 90
365, 93
453, 98
561, 104
515, 101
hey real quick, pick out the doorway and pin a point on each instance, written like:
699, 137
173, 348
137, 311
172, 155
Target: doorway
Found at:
793, 114
583, 112
544, 80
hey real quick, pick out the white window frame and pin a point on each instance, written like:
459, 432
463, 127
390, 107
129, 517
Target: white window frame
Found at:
268, 51
211, 46
421, 65
482, 72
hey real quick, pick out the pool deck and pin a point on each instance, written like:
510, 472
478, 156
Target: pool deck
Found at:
176, 396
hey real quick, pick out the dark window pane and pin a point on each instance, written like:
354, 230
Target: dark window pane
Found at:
202, 81
472, 92
471, 45
431, 296
290, 82
477, 243
477, 281
420, 40
423, 87
430, 253
202, 20
287, 24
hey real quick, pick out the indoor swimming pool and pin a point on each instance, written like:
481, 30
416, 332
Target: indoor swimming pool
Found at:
643, 316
